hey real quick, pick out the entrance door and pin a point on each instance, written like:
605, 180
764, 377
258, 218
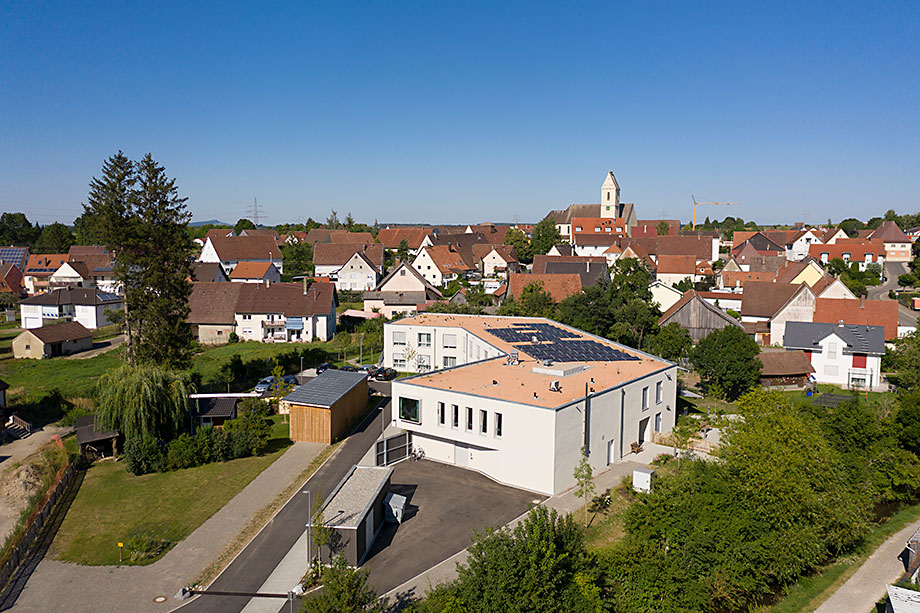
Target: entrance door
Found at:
643, 427
461, 454
611, 452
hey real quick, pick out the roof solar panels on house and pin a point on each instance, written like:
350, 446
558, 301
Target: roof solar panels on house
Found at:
13, 255
544, 341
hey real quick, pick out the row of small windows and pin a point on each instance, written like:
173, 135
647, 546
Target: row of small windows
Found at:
448, 341
410, 410
659, 394
423, 361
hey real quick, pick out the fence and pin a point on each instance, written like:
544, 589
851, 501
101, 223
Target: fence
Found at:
393, 449
35, 523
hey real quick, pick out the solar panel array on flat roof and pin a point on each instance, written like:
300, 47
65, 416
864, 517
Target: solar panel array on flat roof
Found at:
544, 341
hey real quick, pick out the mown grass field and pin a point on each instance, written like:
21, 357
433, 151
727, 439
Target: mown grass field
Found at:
115, 506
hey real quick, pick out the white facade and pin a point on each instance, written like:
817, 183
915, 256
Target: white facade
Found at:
494, 264
514, 442
426, 267
209, 254
356, 275
537, 448
665, 295
591, 250
91, 316
834, 366
275, 327
799, 249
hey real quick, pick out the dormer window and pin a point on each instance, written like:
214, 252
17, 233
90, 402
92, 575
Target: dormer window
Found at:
578, 228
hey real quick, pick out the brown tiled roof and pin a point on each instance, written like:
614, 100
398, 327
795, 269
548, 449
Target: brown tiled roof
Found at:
251, 270
565, 216
784, 363
238, 248
45, 264
352, 238
273, 234
505, 251
889, 232
448, 260
677, 264
337, 254
213, 303
739, 278
288, 298
81, 250
558, 286
700, 247
540, 261
764, 298
462, 243
207, 271
858, 312
95, 264
391, 237
218, 233
687, 298
493, 234
55, 333
649, 227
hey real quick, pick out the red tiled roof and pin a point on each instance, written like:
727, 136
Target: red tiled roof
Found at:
764, 299
858, 248
677, 264
391, 237
447, 260
859, 312
649, 227
45, 264
251, 270
506, 252
558, 286
338, 254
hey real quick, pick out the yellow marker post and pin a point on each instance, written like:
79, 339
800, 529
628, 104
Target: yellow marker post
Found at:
120, 547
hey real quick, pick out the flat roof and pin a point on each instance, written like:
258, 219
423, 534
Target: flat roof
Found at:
354, 496
325, 389
588, 371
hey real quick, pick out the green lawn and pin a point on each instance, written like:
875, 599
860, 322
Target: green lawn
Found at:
809, 592
114, 506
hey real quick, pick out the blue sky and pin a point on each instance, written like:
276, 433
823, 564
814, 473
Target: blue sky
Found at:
467, 112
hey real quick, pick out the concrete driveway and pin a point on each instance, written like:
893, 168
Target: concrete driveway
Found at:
446, 504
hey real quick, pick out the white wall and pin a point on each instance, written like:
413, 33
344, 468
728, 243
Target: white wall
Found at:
800, 308
835, 366
427, 268
469, 347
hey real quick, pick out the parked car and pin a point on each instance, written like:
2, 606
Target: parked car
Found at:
268, 384
349, 368
368, 368
385, 374
324, 367
263, 385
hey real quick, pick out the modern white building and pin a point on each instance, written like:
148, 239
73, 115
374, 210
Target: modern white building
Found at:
87, 306
517, 398
842, 354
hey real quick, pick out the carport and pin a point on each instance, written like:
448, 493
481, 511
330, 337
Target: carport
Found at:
324, 407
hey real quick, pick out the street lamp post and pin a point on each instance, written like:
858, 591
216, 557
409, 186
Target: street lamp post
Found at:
309, 528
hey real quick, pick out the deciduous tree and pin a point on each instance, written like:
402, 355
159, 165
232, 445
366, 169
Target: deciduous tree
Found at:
545, 236
727, 360
144, 402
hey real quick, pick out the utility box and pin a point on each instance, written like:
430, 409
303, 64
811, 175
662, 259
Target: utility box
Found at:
642, 479
393, 507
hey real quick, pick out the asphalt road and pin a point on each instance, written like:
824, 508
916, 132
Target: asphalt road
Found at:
252, 567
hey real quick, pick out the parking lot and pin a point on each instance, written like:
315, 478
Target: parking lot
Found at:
445, 505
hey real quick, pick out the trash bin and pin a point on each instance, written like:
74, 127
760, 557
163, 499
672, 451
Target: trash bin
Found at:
393, 507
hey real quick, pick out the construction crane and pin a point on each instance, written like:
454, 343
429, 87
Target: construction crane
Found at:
697, 203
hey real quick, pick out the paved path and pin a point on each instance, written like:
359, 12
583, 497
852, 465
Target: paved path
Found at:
61, 586
565, 502
99, 348
256, 563
862, 590
18, 450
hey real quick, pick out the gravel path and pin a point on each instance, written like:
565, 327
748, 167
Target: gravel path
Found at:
61, 586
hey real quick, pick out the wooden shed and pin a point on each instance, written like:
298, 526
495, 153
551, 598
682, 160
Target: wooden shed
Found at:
323, 408
784, 368
697, 316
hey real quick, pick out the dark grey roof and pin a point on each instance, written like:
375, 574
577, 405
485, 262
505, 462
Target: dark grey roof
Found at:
216, 407
859, 339
400, 298
87, 433
589, 272
73, 295
326, 389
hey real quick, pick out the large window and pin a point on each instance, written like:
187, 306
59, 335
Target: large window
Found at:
658, 392
450, 341
455, 416
449, 361
409, 410
424, 362
483, 421
498, 425
424, 339
399, 338
441, 417
644, 398
469, 418
399, 361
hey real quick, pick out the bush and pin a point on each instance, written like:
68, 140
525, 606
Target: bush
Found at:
233, 338
143, 455
142, 547
248, 434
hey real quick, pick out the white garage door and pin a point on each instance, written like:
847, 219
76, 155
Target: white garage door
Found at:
33, 322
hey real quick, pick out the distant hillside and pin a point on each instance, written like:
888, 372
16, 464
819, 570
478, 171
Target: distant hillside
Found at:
213, 222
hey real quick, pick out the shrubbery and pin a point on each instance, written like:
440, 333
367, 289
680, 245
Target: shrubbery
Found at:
239, 438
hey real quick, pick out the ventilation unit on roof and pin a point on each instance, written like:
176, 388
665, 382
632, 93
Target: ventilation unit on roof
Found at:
554, 386
512, 359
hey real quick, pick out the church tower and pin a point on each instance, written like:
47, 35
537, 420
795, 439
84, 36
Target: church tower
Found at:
610, 196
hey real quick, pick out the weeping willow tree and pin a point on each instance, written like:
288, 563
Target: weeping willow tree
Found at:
143, 401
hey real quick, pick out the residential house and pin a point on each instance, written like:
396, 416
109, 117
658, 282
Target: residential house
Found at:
664, 295
897, 244
727, 301
87, 270
558, 286
593, 235
255, 272
590, 272
213, 232
208, 272
760, 243
785, 368
212, 311
215, 411
494, 234
882, 313
323, 235
392, 238
697, 316
913, 233
359, 273
832, 235
610, 207
557, 250
89, 306
230, 251
842, 354
801, 306
749, 259
862, 251
702, 247
798, 244
10, 279
760, 302
495, 260
329, 258
673, 269
15, 255
52, 341
36, 278
441, 264
286, 312
404, 290
269, 232
650, 227
521, 412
